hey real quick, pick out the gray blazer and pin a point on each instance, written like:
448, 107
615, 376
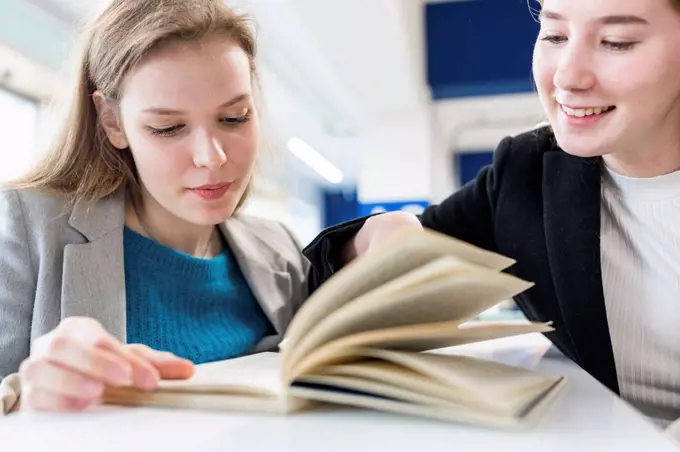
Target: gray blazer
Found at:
57, 262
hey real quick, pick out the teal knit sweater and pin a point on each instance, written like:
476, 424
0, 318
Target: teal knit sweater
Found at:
199, 309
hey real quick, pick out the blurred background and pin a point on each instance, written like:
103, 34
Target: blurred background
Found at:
371, 105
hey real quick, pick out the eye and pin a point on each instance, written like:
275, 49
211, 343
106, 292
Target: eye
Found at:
554, 39
618, 46
166, 131
236, 120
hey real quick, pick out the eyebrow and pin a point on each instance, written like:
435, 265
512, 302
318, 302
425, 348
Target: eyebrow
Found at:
605, 20
171, 111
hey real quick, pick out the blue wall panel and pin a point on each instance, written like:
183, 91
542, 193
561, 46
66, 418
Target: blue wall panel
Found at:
468, 165
479, 47
342, 206
413, 206
339, 207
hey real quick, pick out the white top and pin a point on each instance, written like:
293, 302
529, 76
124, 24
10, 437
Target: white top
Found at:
587, 418
640, 252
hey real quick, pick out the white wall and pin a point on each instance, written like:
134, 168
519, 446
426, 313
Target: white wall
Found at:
476, 124
411, 156
26, 85
396, 158
479, 123
301, 218
18, 129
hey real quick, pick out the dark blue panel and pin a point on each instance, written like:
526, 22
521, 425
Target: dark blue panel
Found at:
339, 207
469, 164
479, 47
413, 206
482, 89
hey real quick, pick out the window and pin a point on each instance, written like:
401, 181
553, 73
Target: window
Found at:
18, 121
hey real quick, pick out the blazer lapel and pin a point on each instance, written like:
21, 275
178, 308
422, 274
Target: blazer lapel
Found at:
259, 266
93, 275
571, 203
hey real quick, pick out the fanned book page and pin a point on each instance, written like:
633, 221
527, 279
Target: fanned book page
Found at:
401, 254
459, 382
454, 388
445, 289
249, 383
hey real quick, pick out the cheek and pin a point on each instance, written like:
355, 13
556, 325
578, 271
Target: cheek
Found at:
159, 160
242, 150
656, 81
543, 71
651, 75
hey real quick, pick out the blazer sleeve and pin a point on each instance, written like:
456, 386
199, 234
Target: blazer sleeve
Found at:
17, 285
468, 214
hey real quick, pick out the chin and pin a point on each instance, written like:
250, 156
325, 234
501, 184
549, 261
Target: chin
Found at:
213, 215
581, 146
218, 215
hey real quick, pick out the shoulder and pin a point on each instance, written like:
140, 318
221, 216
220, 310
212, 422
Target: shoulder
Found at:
270, 234
274, 244
42, 218
531, 144
33, 206
521, 156
265, 228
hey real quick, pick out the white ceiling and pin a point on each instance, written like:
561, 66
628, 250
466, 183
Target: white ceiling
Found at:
330, 68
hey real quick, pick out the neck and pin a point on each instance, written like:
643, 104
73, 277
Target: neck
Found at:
645, 158
662, 160
150, 219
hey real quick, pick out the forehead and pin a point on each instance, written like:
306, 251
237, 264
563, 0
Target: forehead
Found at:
206, 70
593, 9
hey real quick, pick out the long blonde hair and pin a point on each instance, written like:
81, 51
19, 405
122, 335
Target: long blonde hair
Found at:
81, 162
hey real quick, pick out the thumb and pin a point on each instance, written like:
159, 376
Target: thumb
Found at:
169, 366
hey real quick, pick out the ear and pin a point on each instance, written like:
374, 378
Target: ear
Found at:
109, 119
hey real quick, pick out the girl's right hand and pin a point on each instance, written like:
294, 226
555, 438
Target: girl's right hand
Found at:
69, 368
378, 229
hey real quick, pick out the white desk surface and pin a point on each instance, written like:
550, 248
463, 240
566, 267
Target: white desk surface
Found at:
587, 418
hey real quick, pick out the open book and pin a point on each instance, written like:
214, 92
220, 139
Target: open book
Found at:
366, 338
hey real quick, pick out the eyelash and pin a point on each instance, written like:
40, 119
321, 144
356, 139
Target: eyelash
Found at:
615, 46
173, 130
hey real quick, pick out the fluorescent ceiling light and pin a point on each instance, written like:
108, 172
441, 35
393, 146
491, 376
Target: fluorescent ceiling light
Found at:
316, 161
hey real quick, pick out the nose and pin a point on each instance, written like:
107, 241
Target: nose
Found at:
574, 70
208, 152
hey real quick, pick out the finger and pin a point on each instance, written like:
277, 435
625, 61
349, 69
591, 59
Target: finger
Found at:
170, 366
144, 374
41, 400
59, 380
93, 362
92, 336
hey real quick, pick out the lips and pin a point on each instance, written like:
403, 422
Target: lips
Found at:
211, 191
213, 186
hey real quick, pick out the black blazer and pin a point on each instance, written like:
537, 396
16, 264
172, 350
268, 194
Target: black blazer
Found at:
540, 206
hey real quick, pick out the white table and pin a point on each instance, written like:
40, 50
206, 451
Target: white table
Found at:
587, 418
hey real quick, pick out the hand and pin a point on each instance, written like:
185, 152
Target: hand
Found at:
69, 368
377, 229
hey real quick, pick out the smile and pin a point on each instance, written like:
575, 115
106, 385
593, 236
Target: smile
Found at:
585, 111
